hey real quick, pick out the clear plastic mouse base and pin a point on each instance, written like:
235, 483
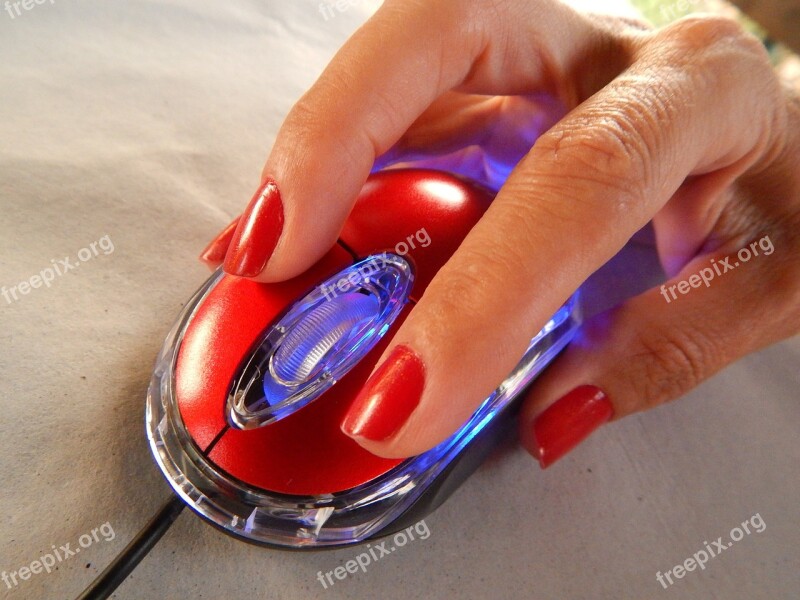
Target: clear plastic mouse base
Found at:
329, 520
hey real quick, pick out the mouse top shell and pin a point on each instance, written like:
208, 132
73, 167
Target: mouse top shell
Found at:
251, 385
419, 215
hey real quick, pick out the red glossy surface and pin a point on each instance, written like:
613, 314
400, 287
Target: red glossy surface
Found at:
257, 233
306, 453
215, 252
396, 205
226, 325
567, 422
389, 396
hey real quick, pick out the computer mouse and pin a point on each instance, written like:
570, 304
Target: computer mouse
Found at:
251, 385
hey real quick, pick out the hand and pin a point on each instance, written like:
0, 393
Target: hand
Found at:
687, 127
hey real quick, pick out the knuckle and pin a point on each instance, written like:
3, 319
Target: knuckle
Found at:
452, 297
303, 116
719, 61
495, 261
714, 45
303, 123
474, 281
706, 31
307, 124
607, 146
673, 362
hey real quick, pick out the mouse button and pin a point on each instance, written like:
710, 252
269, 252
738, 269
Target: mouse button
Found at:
318, 339
221, 332
420, 214
306, 453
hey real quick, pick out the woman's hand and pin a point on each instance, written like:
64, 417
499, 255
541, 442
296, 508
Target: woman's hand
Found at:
687, 127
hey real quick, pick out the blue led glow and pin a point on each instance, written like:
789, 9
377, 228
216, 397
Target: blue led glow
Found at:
328, 519
320, 338
306, 346
543, 348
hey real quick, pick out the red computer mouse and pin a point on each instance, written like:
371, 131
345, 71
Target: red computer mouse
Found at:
253, 381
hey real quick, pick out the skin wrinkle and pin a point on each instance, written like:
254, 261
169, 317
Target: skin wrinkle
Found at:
749, 221
604, 159
677, 361
704, 48
694, 210
687, 354
542, 222
650, 109
483, 52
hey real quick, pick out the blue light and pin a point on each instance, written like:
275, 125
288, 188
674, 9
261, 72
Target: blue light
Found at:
318, 332
319, 339
544, 347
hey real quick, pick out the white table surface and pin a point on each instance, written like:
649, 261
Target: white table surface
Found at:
148, 122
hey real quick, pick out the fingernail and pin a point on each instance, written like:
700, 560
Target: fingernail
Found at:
257, 233
215, 252
569, 421
388, 398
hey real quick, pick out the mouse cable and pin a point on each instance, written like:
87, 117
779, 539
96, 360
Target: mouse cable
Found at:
110, 579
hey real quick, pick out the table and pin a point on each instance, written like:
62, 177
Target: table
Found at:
145, 125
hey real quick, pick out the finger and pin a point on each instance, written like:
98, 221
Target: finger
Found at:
586, 187
478, 137
505, 126
451, 136
215, 252
657, 346
385, 77
452, 122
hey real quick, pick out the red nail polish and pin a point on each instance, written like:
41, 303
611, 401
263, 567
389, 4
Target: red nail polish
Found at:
257, 233
214, 253
388, 398
569, 421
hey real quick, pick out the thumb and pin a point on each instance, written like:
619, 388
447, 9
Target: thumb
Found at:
656, 347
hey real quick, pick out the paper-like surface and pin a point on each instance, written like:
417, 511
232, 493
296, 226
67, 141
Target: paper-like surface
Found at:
142, 126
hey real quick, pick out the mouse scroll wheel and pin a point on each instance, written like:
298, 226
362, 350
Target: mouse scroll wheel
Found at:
318, 340
302, 351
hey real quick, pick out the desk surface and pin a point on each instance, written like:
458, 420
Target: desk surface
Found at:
148, 123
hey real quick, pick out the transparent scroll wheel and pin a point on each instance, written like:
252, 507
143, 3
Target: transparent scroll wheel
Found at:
310, 340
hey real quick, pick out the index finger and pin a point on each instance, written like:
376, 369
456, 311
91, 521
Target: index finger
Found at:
384, 77
573, 202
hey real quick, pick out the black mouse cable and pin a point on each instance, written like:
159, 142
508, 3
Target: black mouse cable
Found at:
125, 562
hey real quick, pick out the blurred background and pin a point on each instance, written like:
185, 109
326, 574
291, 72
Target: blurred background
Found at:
146, 123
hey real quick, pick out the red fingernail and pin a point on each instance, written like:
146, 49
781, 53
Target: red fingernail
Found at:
569, 421
388, 398
215, 252
257, 233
